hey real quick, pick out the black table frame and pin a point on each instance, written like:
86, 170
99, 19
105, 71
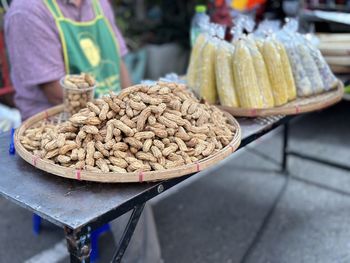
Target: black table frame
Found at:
288, 152
78, 240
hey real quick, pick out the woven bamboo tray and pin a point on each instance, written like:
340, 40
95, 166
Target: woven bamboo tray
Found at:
56, 115
298, 106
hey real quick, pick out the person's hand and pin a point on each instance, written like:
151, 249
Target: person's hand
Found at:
53, 91
125, 80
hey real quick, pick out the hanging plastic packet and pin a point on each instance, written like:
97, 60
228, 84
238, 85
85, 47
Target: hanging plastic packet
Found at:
329, 79
224, 74
302, 82
261, 73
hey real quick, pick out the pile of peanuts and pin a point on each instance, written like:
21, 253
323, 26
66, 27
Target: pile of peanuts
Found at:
144, 128
78, 91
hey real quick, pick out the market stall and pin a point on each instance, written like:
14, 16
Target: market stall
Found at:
121, 148
60, 200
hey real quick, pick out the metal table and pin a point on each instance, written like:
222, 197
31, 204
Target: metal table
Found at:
80, 207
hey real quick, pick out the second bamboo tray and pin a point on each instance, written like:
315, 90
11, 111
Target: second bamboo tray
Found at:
298, 106
54, 115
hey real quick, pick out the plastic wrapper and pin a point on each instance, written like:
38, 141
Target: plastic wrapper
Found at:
241, 22
245, 79
328, 78
224, 75
261, 73
302, 81
288, 74
78, 90
294, 40
275, 71
310, 68
195, 61
259, 44
206, 74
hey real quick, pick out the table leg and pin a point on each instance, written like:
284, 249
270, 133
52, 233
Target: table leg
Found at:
79, 244
128, 232
287, 152
284, 165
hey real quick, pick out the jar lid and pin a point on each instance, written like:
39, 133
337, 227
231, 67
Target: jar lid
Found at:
201, 9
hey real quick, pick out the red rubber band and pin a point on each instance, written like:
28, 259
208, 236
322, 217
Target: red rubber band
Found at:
297, 109
197, 167
253, 112
78, 174
141, 176
35, 158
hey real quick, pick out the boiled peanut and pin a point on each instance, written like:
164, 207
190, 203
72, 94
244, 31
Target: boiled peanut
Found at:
147, 145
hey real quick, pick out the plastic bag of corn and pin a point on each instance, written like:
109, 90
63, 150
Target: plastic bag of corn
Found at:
288, 74
245, 79
206, 74
261, 73
328, 78
224, 75
259, 43
275, 70
195, 61
302, 82
310, 68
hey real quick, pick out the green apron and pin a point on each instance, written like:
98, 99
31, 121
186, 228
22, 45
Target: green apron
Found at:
89, 47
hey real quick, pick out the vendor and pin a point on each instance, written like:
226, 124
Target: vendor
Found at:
47, 39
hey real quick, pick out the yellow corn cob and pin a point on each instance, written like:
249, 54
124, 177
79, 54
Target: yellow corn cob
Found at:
224, 75
207, 82
245, 78
192, 71
288, 74
273, 63
261, 74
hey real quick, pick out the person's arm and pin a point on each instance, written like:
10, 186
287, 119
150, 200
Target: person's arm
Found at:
53, 91
35, 53
125, 80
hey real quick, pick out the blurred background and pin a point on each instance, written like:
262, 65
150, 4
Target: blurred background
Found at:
310, 222
158, 34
